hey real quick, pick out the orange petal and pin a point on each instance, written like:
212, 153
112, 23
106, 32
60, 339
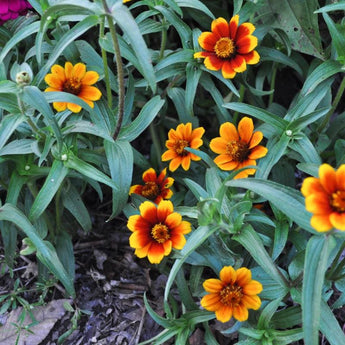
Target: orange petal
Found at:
79, 71
311, 185
244, 276
213, 285
207, 40
164, 209
53, 80
227, 70
167, 245
148, 211
90, 78
224, 314
138, 223
245, 29
197, 133
142, 252
213, 63
251, 302
167, 155
245, 129
136, 189
321, 223
185, 162
178, 241
233, 26
240, 313
328, 178
149, 175
218, 145
211, 302
338, 220
228, 132
224, 159
51, 89
59, 71
175, 163
90, 92
220, 27
173, 220
89, 103
256, 139
246, 44
227, 166
185, 227
201, 55
168, 182
258, 152
228, 275
60, 106
139, 239
252, 57
75, 108
252, 288
340, 177
68, 70
238, 63
318, 203
155, 253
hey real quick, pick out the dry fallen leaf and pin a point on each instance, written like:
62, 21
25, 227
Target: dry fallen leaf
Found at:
47, 315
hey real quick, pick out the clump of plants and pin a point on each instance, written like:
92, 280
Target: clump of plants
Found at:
218, 129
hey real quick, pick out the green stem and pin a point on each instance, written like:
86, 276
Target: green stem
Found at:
164, 39
273, 83
105, 66
334, 106
242, 92
155, 141
119, 69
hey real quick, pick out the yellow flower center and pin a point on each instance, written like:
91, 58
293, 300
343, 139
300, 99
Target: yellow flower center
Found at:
224, 48
160, 233
150, 190
338, 201
238, 150
231, 295
180, 147
72, 85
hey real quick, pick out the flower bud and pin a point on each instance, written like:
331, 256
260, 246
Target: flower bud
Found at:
23, 78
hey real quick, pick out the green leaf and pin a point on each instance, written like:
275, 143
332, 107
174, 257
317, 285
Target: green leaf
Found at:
251, 241
149, 111
199, 192
337, 6
182, 56
34, 97
128, 25
296, 18
8, 125
303, 121
306, 149
315, 265
120, 160
286, 199
267, 314
258, 113
280, 237
45, 251
287, 337
88, 170
18, 147
193, 75
51, 185
196, 4
64, 250
21, 35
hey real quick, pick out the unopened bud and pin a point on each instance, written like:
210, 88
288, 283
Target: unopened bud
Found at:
23, 78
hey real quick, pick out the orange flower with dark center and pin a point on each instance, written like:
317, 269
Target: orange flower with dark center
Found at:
155, 188
232, 295
74, 80
325, 198
178, 140
157, 230
238, 148
228, 47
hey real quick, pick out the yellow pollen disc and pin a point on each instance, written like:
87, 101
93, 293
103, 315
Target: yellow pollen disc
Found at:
160, 233
72, 86
180, 147
150, 190
338, 201
231, 295
224, 48
238, 150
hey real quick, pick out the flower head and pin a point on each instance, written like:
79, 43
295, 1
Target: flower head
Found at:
232, 295
155, 188
325, 198
238, 148
74, 80
228, 47
178, 140
11, 9
157, 230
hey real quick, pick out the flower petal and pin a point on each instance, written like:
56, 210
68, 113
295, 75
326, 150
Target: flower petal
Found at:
218, 145
220, 27
148, 211
207, 40
252, 57
178, 241
139, 239
340, 177
173, 220
228, 132
90, 78
252, 288
258, 152
175, 163
213, 285
167, 155
255, 139
224, 314
155, 253
59, 106
311, 185
213, 63
245, 129
167, 245
136, 189
54, 80
79, 71
185, 162
245, 29
240, 313
228, 275
149, 175
318, 203
321, 223
233, 26
328, 178
338, 220
244, 276
227, 70
90, 92
68, 70
251, 302
246, 44
211, 302
164, 209
227, 166
142, 252
75, 108
238, 63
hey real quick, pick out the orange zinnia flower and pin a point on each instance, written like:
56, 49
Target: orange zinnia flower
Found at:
178, 140
75, 80
229, 47
155, 188
238, 149
232, 295
325, 198
157, 230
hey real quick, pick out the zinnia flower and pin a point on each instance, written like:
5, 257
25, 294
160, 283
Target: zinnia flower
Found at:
325, 198
155, 188
157, 230
228, 47
238, 148
75, 80
232, 295
178, 140
11, 9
